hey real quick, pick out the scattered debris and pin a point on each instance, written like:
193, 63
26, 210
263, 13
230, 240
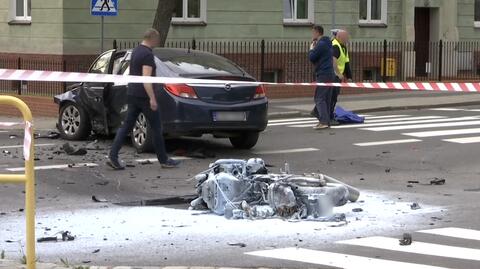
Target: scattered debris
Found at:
415, 206
406, 240
242, 245
473, 190
96, 251
240, 189
73, 151
12, 136
50, 135
356, 210
102, 183
99, 200
9, 241
438, 181
65, 236
388, 170
144, 162
362, 179
93, 145
413, 182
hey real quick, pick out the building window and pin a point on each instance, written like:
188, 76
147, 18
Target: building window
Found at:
190, 12
477, 13
373, 12
20, 10
298, 12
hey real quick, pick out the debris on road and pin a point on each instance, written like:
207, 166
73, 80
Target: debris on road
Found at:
70, 150
65, 236
406, 240
50, 135
241, 245
438, 181
96, 251
357, 210
99, 200
239, 189
415, 206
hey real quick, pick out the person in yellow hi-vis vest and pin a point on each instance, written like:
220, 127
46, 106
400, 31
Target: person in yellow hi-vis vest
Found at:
341, 65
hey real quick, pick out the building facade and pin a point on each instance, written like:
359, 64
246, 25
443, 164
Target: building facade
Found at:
66, 26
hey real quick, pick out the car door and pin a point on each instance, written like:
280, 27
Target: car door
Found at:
116, 94
92, 94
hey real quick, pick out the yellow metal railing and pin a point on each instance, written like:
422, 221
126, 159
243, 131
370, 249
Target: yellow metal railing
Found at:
28, 178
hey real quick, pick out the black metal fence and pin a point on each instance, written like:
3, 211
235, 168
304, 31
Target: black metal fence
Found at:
287, 61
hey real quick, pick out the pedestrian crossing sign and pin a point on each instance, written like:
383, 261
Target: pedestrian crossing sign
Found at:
104, 7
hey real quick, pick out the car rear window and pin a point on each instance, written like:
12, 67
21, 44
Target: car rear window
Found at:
204, 64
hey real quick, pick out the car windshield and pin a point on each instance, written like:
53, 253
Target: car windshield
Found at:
199, 63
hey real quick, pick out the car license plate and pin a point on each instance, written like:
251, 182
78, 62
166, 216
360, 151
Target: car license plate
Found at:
229, 116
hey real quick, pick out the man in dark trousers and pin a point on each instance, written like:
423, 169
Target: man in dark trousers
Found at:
341, 65
321, 56
142, 99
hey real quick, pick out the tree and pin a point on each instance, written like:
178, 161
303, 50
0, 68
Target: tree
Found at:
163, 18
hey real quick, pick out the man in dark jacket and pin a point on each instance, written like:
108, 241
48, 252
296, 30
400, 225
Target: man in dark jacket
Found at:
321, 55
142, 99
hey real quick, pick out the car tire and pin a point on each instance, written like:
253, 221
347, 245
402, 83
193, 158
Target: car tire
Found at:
142, 136
74, 122
245, 140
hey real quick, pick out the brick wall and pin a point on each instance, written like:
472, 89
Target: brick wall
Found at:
39, 105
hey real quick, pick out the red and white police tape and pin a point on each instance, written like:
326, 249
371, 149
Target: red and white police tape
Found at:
27, 140
56, 76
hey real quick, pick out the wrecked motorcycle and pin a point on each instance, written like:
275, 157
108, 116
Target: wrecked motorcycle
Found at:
242, 189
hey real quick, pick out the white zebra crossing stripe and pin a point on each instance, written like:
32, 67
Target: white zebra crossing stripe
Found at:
385, 117
423, 126
446, 109
464, 140
439, 119
389, 142
336, 259
416, 247
454, 232
294, 122
291, 120
403, 119
444, 132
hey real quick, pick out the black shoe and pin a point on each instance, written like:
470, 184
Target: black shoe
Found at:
115, 164
334, 123
170, 163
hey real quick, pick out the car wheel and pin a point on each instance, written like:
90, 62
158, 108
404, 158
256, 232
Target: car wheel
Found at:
73, 122
142, 137
245, 140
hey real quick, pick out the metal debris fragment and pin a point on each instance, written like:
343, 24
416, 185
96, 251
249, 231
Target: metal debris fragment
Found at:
406, 240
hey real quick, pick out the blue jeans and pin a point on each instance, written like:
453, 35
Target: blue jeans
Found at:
136, 106
323, 100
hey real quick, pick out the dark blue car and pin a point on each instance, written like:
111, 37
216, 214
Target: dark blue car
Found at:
237, 112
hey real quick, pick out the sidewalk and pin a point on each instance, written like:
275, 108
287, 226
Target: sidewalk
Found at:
374, 102
5, 264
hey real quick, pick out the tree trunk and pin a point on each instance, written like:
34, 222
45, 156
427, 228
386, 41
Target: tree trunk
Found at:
163, 18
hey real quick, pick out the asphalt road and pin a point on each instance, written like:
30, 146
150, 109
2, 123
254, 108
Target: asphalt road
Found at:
398, 147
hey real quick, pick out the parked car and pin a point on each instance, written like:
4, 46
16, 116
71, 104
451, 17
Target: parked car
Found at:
237, 112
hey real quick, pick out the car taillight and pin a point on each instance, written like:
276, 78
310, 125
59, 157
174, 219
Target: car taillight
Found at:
259, 92
181, 90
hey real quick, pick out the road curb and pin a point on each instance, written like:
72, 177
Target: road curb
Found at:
298, 113
7, 264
